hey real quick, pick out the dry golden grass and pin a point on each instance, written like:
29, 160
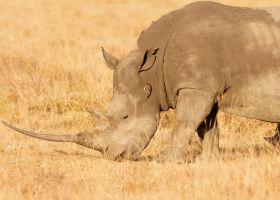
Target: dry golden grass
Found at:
51, 69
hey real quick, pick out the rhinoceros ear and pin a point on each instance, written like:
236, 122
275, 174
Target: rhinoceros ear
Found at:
149, 59
110, 60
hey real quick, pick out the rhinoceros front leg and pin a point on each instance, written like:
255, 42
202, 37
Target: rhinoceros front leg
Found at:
193, 106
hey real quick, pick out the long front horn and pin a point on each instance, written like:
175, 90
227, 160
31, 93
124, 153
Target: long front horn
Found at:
48, 137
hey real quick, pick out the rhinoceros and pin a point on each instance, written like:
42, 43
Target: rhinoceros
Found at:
203, 58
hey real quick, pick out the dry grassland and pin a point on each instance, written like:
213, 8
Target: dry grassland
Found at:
51, 68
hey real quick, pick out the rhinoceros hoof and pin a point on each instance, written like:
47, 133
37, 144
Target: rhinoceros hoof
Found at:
172, 155
203, 157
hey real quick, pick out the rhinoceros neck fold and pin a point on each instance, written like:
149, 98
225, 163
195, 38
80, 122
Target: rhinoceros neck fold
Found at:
158, 36
163, 98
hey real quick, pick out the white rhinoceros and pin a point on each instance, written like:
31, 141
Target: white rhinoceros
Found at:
198, 60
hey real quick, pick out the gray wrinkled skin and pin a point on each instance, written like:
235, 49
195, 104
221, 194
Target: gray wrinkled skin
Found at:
198, 60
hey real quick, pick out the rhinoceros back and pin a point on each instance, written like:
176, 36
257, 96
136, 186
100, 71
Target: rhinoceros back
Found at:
159, 32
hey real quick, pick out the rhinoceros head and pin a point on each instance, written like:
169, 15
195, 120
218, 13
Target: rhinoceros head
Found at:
133, 113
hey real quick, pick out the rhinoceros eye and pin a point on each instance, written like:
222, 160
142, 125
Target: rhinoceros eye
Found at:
125, 117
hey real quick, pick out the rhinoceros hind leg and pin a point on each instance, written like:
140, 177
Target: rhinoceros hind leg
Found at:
275, 139
208, 131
